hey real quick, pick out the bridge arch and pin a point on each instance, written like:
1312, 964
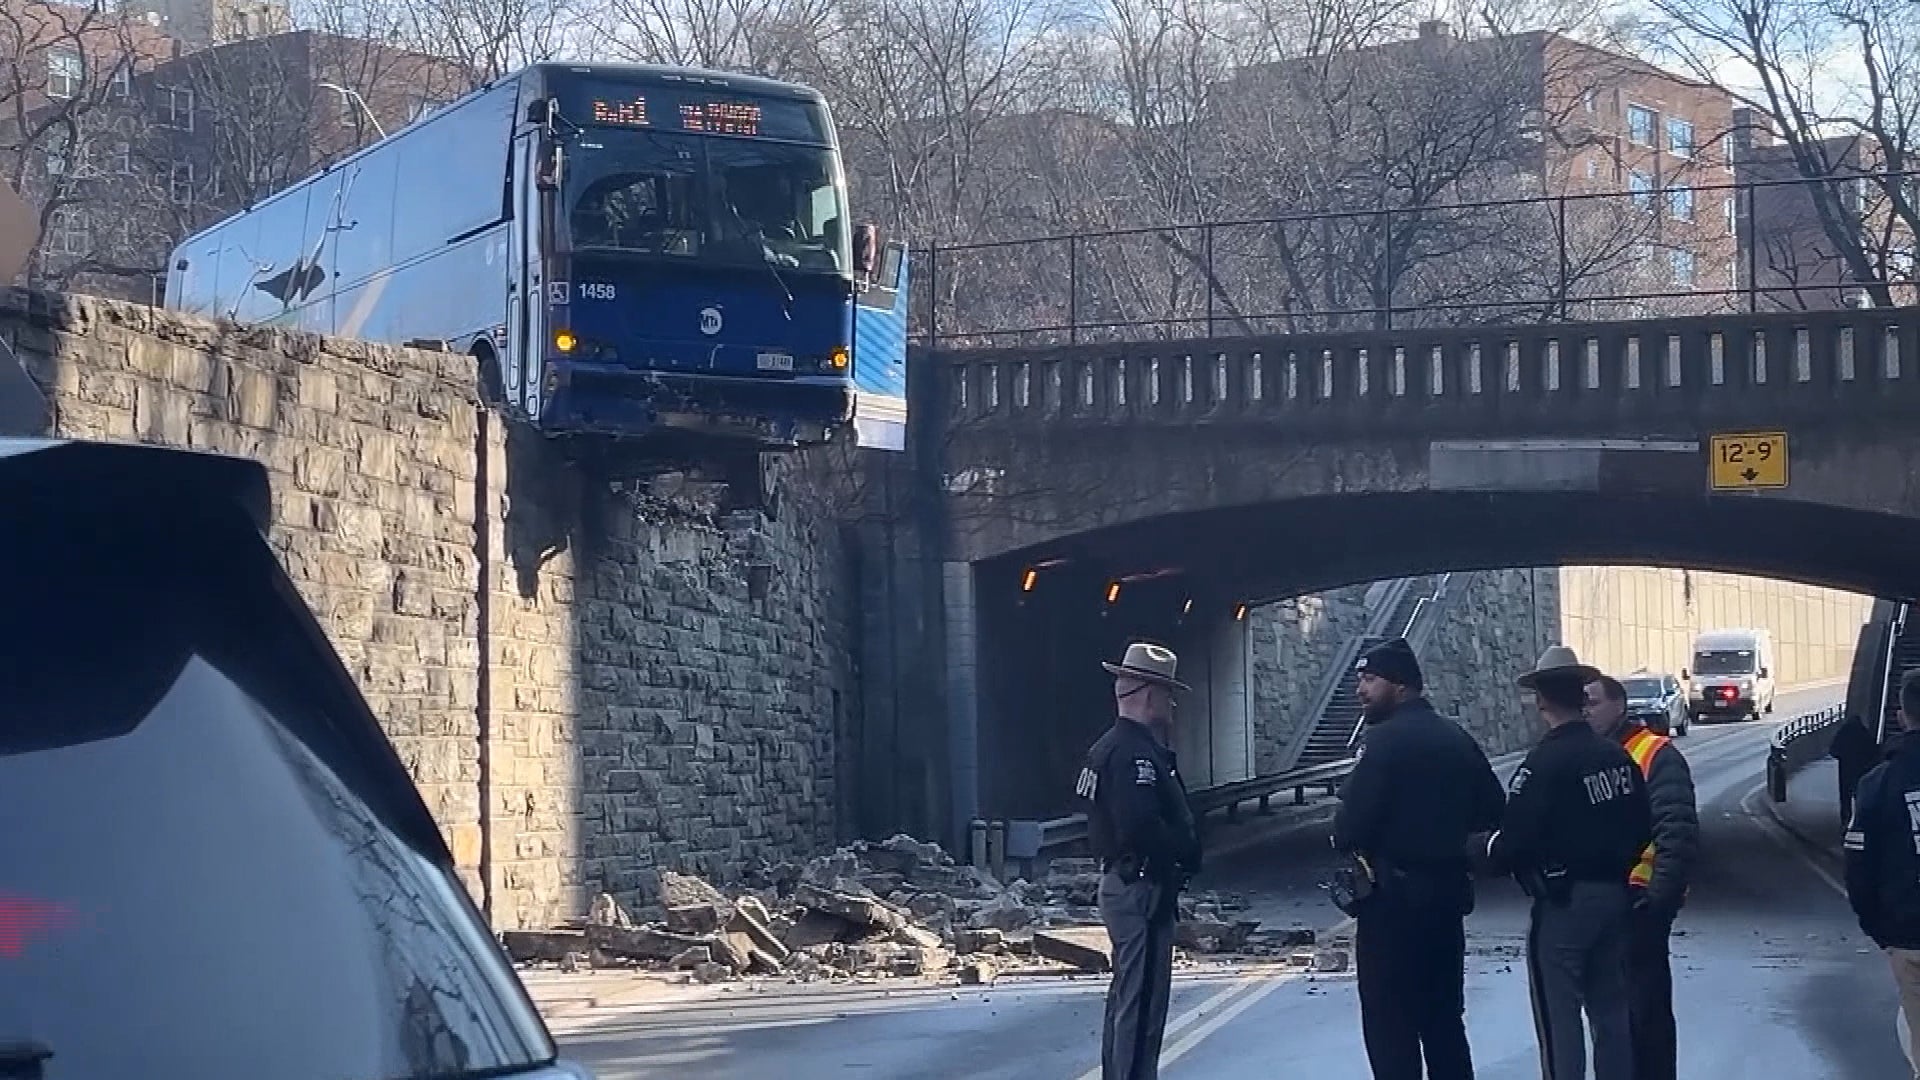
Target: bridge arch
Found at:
1048, 614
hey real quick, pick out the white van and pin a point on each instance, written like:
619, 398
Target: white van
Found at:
1732, 676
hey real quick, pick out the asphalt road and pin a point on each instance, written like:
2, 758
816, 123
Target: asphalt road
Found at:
1772, 979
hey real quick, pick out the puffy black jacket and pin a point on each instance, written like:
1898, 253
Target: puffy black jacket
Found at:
1676, 826
1883, 868
1420, 788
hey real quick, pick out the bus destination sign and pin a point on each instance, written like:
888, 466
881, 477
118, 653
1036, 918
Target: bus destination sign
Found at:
610, 103
704, 117
620, 113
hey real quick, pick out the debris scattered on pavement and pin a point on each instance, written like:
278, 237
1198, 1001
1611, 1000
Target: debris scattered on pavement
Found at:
900, 908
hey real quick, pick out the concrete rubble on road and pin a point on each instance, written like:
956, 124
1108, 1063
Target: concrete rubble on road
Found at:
900, 908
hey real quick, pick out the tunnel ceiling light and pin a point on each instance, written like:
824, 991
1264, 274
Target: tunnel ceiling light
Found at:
1187, 608
1113, 592
1028, 579
1239, 612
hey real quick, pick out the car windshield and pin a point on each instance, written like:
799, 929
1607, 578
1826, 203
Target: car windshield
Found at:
707, 198
1724, 662
1642, 688
207, 872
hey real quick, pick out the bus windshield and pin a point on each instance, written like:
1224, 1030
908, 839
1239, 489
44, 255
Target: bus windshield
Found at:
705, 198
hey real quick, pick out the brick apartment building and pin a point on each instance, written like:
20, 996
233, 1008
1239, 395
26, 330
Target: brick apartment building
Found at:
128, 139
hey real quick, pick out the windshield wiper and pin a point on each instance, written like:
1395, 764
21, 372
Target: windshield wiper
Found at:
786, 306
23, 1059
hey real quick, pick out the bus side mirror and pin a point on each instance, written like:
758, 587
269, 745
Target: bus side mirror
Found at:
866, 249
1684, 676
540, 112
1765, 674
552, 166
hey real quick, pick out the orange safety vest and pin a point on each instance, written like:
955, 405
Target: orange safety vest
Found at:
1641, 746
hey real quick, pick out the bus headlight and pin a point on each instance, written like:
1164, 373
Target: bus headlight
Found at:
837, 359
564, 341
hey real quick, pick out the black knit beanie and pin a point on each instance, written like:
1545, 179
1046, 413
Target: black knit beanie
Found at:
1394, 662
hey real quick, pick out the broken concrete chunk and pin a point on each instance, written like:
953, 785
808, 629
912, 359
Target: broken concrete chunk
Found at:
641, 943
972, 940
1212, 935
914, 935
606, 911
693, 919
1086, 948
1330, 960
979, 973
523, 945
711, 973
1296, 937
692, 957
751, 919
858, 910
1004, 912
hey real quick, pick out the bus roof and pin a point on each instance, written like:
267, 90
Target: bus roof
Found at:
660, 73
637, 72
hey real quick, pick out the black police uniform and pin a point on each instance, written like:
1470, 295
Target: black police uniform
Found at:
1577, 819
1421, 787
1142, 830
1883, 870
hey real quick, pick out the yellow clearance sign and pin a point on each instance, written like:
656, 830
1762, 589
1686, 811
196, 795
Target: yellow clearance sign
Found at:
1748, 461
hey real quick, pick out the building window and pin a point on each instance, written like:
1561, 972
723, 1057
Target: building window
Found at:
180, 183
1679, 137
1642, 123
122, 83
1641, 185
66, 73
123, 158
1732, 211
1680, 203
1593, 168
178, 105
1726, 149
67, 233
1591, 101
1682, 262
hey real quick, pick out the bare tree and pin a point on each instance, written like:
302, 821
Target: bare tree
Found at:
65, 135
1853, 139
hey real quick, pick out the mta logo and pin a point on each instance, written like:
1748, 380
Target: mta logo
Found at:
22, 919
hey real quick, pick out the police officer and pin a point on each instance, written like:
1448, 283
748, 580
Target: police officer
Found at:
1658, 882
1143, 832
1883, 859
1421, 787
1577, 819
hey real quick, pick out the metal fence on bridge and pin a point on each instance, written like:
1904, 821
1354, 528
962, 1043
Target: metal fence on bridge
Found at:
1692, 245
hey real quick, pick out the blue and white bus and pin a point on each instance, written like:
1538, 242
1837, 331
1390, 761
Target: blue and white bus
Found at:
622, 249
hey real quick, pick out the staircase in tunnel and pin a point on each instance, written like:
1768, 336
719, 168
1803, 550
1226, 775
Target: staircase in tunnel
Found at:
1902, 658
1332, 737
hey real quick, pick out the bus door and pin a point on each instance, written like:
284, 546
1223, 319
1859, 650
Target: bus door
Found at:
526, 308
880, 352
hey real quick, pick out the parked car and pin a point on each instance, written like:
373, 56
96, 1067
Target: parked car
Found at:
215, 865
1657, 700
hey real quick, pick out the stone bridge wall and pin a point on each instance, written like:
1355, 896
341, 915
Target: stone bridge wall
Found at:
620, 699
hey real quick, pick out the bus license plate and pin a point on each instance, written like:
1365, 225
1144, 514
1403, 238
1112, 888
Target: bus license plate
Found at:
775, 361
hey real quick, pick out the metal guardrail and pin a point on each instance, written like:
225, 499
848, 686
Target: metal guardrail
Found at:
1797, 743
1061, 832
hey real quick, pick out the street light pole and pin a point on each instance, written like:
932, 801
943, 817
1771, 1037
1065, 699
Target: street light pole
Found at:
353, 96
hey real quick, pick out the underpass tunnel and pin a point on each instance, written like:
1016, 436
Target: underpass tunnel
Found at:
1044, 697
1049, 616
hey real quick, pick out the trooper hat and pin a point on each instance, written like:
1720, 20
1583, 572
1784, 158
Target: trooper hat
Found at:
1559, 662
1148, 663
